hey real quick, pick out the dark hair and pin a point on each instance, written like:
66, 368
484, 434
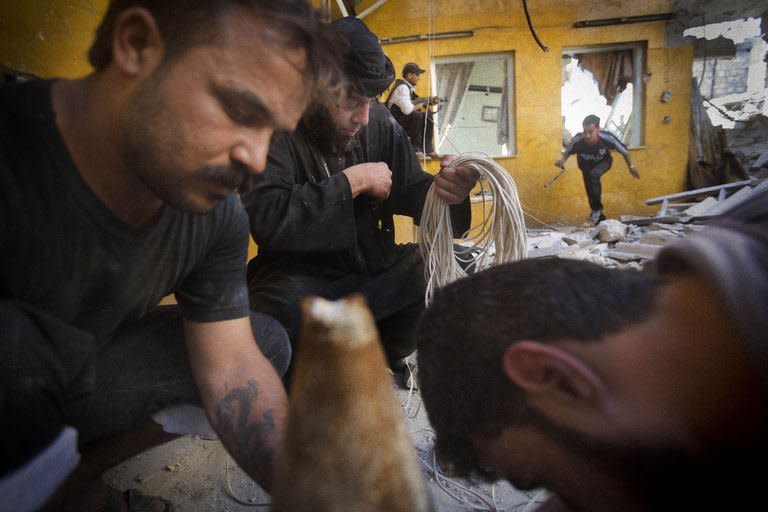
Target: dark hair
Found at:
591, 119
187, 23
462, 336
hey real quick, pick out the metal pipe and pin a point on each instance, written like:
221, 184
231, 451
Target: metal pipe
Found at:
372, 8
427, 37
342, 8
624, 20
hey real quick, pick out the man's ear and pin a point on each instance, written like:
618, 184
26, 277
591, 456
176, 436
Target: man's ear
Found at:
137, 45
540, 368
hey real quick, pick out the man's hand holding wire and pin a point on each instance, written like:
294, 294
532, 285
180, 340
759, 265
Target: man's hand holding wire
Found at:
453, 184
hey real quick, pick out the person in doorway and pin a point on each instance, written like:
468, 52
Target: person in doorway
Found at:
117, 189
412, 111
614, 389
323, 214
592, 148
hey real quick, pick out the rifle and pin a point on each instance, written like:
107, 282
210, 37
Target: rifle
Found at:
430, 100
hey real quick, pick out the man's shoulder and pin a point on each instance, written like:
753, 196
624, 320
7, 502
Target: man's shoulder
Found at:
577, 139
380, 119
398, 82
610, 138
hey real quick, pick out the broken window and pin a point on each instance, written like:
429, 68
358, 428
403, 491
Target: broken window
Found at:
605, 81
476, 115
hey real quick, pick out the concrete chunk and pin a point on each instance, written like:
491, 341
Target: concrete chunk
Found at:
630, 252
701, 207
611, 230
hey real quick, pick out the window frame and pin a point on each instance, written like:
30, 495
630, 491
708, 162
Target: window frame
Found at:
509, 62
639, 52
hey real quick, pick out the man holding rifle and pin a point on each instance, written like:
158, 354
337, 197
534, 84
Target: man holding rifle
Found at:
406, 105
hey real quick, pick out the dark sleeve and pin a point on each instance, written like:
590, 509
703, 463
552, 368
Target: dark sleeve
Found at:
295, 208
216, 289
410, 182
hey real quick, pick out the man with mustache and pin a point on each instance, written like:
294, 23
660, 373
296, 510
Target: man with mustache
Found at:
118, 189
614, 389
323, 214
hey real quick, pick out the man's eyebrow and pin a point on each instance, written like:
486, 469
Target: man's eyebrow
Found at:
248, 104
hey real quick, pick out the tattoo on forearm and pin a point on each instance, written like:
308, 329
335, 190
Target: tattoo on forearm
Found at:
248, 439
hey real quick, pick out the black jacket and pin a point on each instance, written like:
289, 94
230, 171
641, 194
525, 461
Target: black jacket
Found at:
303, 215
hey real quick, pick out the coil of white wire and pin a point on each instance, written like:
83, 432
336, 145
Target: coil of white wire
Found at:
499, 238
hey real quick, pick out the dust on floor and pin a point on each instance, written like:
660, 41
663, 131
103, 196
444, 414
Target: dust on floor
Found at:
198, 475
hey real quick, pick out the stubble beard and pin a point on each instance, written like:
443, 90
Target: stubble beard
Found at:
148, 146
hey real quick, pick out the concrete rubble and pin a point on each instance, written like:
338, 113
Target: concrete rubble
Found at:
611, 243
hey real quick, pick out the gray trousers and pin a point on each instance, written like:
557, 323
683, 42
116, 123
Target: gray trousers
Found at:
53, 375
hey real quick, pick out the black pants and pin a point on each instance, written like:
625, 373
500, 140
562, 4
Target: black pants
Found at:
591, 177
420, 135
395, 297
52, 375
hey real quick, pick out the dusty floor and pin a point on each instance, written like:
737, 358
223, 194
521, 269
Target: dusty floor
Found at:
197, 475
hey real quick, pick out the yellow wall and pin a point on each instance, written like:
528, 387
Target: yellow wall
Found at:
500, 26
51, 37
48, 38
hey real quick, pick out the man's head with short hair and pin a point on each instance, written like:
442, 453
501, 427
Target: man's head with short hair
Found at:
463, 335
195, 90
591, 119
591, 132
614, 389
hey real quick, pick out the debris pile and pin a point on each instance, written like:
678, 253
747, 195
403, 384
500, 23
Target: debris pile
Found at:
748, 140
611, 243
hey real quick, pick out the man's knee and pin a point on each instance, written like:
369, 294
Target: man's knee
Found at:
273, 340
594, 177
280, 298
45, 371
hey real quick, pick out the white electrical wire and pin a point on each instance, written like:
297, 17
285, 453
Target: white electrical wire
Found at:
499, 238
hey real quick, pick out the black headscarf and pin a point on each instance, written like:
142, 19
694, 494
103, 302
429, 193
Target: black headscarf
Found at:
365, 65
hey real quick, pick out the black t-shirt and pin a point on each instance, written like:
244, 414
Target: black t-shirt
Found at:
589, 155
63, 251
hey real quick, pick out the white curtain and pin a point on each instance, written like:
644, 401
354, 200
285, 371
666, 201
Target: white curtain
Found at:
452, 85
502, 125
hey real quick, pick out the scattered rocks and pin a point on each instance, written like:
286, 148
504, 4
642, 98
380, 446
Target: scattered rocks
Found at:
611, 243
